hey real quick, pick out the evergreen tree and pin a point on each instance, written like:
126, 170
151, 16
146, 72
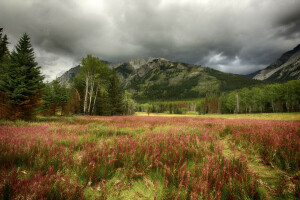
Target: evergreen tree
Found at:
55, 97
62, 95
4, 56
4, 61
3, 45
23, 82
48, 98
103, 105
115, 94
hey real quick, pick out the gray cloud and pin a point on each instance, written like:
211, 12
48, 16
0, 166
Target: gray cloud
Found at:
232, 36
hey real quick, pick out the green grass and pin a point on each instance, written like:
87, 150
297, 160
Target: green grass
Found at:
263, 116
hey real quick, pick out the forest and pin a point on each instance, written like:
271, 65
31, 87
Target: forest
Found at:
276, 97
95, 90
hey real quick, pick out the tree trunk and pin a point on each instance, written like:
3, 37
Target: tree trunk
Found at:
287, 106
77, 94
95, 100
272, 103
86, 94
237, 103
91, 95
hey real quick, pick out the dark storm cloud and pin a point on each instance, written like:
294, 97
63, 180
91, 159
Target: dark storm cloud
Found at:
232, 36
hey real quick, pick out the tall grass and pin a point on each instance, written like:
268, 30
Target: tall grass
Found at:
140, 157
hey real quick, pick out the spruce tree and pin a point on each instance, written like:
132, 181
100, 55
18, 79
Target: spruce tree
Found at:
115, 94
23, 82
48, 100
4, 62
103, 106
3, 45
4, 55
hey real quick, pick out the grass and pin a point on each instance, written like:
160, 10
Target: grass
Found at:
156, 157
262, 116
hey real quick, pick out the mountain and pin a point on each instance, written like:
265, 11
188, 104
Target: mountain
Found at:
159, 78
286, 68
69, 75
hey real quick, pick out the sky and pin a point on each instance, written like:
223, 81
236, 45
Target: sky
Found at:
236, 36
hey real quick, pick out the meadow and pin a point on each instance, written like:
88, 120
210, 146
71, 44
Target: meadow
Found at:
151, 157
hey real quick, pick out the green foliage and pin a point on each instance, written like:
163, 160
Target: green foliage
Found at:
177, 81
171, 107
129, 104
22, 83
99, 88
103, 106
55, 95
270, 98
3, 45
115, 95
230, 101
47, 97
94, 75
277, 97
229, 82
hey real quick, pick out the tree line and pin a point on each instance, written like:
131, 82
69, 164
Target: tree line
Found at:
284, 97
95, 90
277, 97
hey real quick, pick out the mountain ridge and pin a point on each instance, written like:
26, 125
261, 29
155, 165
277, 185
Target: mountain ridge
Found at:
286, 67
159, 78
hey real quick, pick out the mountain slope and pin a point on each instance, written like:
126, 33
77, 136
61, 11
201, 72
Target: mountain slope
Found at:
158, 78
287, 67
69, 75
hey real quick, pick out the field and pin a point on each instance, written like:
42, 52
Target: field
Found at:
152, 157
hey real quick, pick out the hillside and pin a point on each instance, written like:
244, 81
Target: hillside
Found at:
158, 78
286, 68
69, 75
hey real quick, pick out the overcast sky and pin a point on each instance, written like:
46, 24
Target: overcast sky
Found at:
238, 36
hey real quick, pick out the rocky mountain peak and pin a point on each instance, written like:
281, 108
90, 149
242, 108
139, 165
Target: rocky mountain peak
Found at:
68, 75
287, 67
137, 62
151, 59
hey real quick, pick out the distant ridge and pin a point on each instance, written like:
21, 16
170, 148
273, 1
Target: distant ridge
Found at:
285, 68
69, 75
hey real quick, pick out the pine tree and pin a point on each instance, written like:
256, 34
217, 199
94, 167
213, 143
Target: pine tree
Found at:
4, 56
4, 61
62, 95
48, 99
103, 106
56, 97
3, 45
115, 94
23, 82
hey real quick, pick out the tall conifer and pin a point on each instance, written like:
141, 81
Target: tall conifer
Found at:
23, 81
115, 94
3, 45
